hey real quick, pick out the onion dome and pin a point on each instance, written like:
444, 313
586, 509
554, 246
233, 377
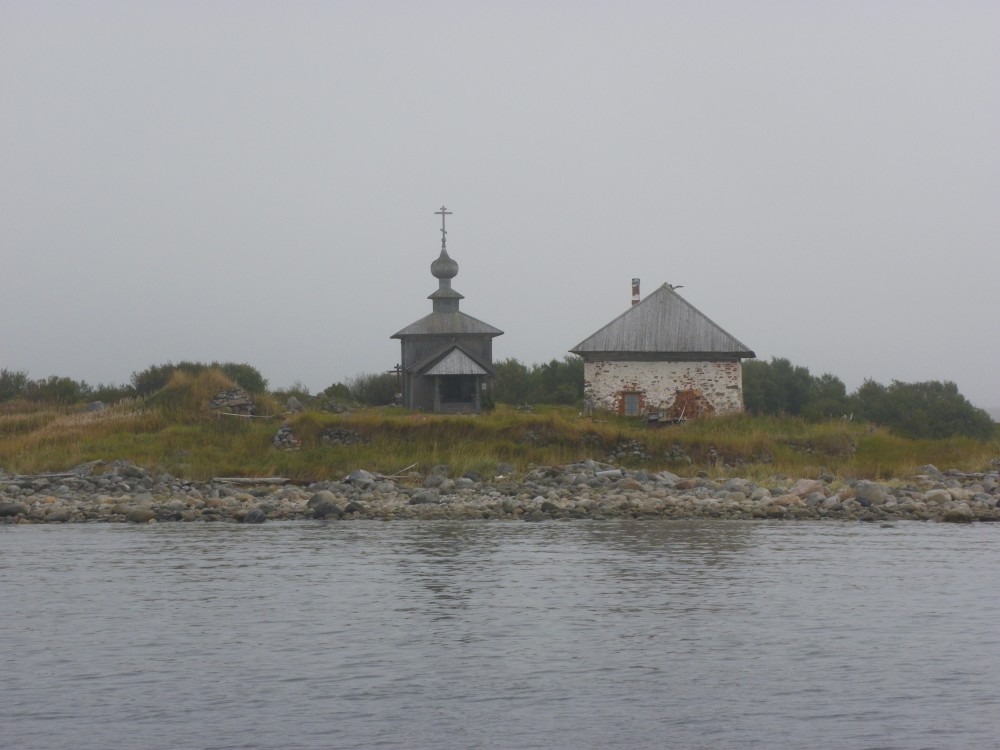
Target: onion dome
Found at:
444, 267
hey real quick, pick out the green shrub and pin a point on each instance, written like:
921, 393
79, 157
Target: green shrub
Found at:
54, 390
245, 376
916, 410
338, 392
155, 377
553, 382
922, 410
776, 387
13, 384
374, 389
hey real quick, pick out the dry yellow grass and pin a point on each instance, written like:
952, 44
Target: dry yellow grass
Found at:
176, 432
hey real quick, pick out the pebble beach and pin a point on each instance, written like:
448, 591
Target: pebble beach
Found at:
121, 492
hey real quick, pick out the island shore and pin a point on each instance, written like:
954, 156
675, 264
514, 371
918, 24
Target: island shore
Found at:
123, 492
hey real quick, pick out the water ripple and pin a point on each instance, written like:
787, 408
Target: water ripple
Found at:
500, 635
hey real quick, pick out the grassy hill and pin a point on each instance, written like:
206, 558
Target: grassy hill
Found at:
176, 432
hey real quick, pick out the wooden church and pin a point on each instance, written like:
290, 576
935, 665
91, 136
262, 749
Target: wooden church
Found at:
447, 356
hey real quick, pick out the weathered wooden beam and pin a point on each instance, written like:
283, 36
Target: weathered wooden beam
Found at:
251, 480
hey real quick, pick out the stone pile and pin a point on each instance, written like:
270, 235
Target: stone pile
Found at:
345, 437
585, 490
677, 454
233, 401
627, 449
284, 439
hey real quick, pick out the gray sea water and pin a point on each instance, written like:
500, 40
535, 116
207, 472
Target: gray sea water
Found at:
638, 634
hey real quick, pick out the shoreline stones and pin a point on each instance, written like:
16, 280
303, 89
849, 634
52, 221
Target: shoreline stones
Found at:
125, 493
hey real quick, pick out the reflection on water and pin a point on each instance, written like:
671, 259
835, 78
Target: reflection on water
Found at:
446, 558
715, 544
477, 634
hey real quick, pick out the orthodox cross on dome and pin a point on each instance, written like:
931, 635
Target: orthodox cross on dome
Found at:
444, 232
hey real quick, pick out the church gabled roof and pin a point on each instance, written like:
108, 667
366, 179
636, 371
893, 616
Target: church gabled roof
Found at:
451, 360
456, 362
442, 323
663, 324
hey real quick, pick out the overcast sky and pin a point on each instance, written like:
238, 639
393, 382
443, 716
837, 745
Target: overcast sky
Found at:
256, 181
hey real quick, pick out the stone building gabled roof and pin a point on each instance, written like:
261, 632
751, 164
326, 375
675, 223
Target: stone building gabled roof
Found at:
662, 325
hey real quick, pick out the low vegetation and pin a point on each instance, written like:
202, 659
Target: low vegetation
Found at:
173, 430
916, 410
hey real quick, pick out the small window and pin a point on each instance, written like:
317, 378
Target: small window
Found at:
631, 403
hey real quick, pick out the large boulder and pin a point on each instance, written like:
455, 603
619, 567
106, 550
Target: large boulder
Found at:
324, 503
326, 508
362, 479
434, 480
125, 468
739, 485
666, 476
806, 487
8, 510
255, 516
425, 497
937, 496
869, 493
959, 514
140, 515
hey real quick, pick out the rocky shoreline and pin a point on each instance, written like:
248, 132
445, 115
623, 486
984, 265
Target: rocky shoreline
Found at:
122, 492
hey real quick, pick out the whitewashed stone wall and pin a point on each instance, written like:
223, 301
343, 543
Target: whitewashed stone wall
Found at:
658, 382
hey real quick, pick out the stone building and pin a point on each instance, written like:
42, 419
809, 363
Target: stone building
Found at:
659, 354
447, 356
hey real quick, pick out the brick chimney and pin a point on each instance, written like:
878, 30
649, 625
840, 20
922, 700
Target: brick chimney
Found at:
635, 291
